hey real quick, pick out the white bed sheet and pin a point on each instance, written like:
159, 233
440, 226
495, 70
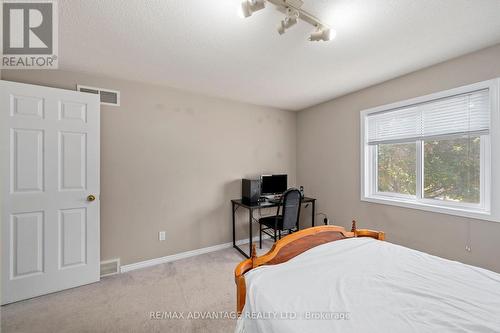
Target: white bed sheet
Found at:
365, 285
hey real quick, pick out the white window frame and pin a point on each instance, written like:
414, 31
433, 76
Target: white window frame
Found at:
488, 209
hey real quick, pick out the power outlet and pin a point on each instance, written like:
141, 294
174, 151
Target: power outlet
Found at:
161, 236
468, 248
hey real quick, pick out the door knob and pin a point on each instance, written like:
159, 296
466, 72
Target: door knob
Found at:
90, 197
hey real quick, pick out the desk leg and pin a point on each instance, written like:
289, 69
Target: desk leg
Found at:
234, 224
250, 217
235, 207
313, 212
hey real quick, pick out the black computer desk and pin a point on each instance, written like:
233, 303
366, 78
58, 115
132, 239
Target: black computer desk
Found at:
237, 203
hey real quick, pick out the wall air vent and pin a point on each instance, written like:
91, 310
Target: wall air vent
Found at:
107, 96
110, 267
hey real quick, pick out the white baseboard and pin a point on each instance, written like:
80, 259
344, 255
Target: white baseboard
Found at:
183, 255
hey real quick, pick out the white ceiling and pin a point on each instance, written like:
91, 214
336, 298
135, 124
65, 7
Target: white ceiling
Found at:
204, 46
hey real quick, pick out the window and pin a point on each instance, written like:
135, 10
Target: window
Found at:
434, 152
397, 168
452, 169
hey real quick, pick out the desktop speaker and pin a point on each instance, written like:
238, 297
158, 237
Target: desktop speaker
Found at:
250, 190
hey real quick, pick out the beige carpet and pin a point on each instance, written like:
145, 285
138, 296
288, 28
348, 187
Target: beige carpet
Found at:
122, 303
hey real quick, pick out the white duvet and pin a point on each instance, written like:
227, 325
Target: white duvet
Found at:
365, 285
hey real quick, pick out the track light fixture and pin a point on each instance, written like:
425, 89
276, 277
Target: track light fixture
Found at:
293, 12
248, 7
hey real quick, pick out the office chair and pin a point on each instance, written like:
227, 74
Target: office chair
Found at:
288, 221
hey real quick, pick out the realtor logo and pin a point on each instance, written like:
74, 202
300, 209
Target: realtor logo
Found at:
29, 34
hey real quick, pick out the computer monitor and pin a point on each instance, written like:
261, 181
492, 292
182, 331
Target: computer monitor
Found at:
273, 184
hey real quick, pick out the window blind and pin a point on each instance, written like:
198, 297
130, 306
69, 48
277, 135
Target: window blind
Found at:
465, 114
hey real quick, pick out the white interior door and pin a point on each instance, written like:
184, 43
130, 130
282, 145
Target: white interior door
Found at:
50, 166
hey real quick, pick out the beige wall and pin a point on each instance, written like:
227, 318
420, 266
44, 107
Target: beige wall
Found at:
328, 164
171, 161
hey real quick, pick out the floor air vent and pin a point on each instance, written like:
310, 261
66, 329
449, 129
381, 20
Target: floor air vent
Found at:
107, 96
110, 267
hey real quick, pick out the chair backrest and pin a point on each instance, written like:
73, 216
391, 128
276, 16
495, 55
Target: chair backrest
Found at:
291, 200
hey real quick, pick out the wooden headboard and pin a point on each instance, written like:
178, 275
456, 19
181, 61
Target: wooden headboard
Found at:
291, 246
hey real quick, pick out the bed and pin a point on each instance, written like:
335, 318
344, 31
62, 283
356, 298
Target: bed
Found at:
326, 279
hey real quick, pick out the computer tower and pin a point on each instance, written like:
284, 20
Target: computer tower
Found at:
250, 190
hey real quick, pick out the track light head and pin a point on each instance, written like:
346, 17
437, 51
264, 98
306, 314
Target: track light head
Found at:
290, 20
322, 34
248, 7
